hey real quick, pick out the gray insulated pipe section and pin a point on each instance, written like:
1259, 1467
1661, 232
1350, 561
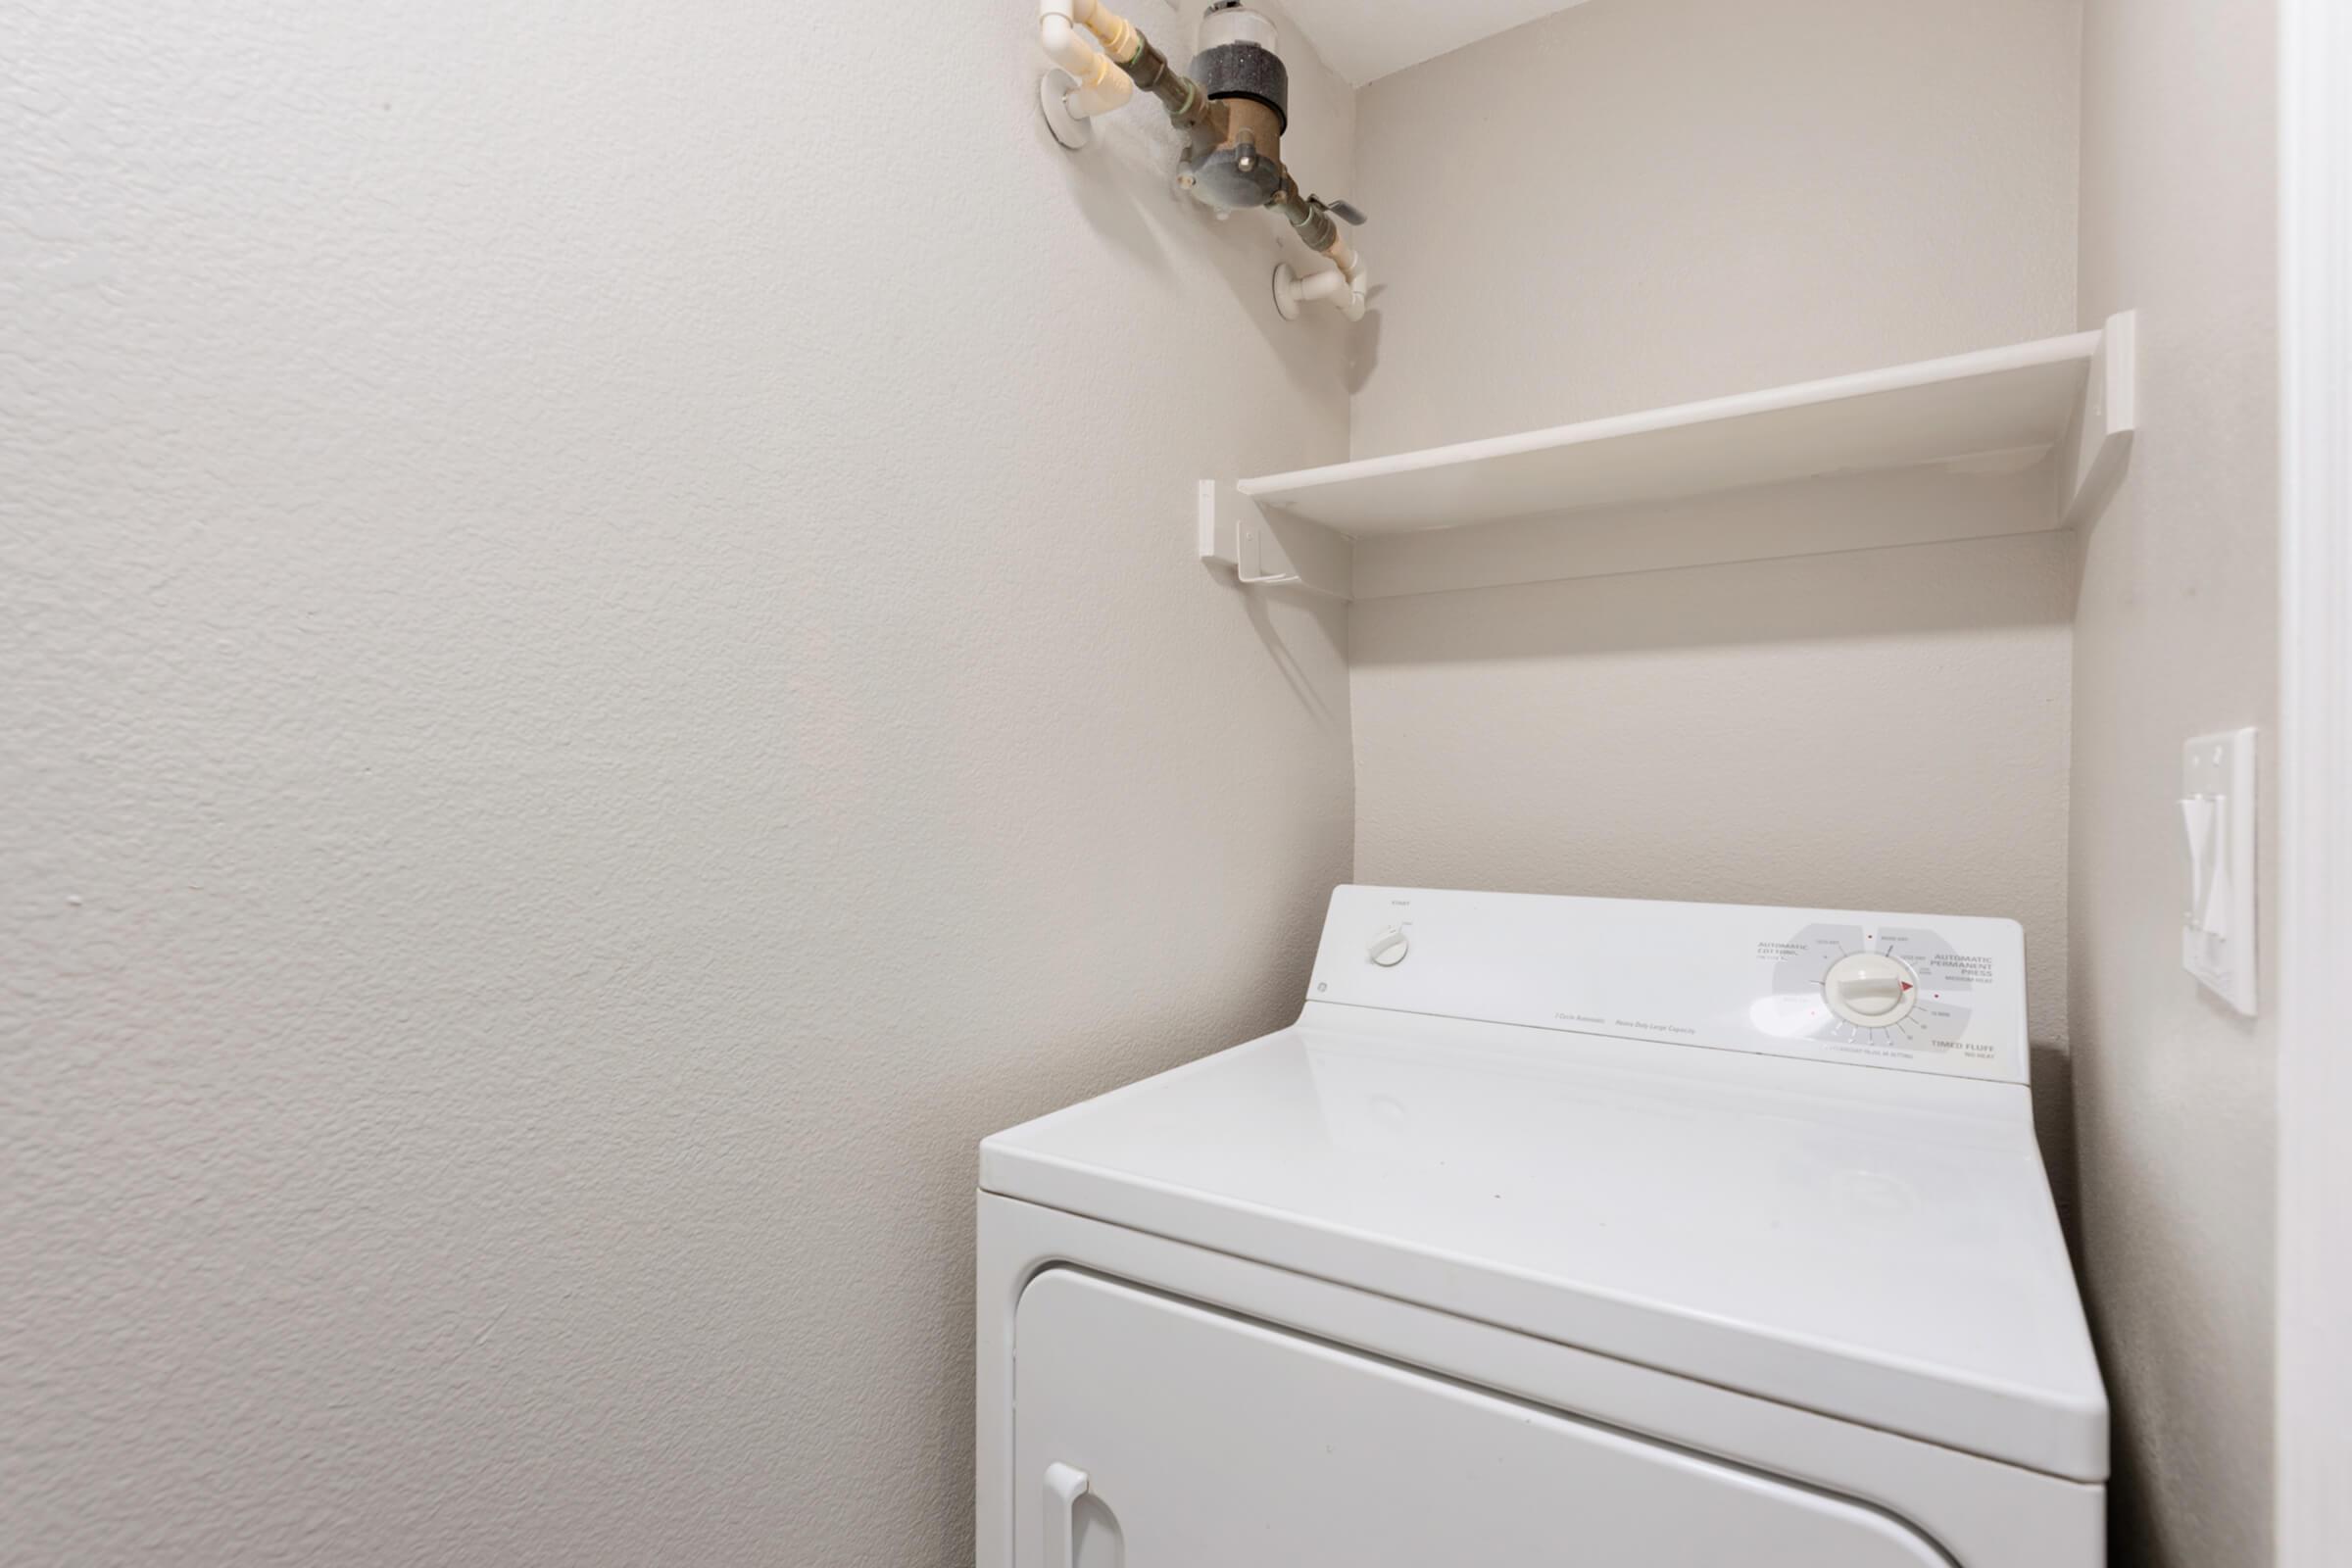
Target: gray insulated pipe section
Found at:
1246, 70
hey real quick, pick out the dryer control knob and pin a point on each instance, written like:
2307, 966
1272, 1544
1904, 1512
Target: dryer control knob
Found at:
1388, 948
1871, 988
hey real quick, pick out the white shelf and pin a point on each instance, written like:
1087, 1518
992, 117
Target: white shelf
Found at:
2006, 441
2016, 401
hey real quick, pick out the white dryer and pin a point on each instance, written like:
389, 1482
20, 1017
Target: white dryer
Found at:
1555, 1232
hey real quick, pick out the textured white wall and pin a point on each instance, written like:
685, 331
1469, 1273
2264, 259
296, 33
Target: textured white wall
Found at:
603, 671
1660, 200
2176, 634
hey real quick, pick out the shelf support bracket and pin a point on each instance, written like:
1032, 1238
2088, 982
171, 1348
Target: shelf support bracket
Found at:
1264, 550
2100, 438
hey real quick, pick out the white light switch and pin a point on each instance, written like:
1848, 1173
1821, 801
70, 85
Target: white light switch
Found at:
2217, 825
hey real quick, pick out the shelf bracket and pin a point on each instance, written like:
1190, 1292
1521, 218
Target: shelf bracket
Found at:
1266, 551
2100, 437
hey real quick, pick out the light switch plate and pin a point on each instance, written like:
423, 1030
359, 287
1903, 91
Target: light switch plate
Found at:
2217, 827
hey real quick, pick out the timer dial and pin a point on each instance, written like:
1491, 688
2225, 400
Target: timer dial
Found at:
1874, 990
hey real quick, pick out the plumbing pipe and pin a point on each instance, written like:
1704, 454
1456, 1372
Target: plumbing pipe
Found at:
1346, 291
1097, 84
1311, 220
1107, 56
1187, 104
1120, 39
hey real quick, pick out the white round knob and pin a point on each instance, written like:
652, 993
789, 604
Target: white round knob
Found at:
1870, 989
1388, 948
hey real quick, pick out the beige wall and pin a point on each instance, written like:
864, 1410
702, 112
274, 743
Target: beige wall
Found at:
533, 740
1640, 202
1770, 732
603, 672
2175, 635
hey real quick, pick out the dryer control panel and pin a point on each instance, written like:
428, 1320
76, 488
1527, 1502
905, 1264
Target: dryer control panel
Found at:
1920, 992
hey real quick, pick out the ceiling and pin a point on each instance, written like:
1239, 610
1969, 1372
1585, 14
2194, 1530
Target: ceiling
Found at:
1364, 41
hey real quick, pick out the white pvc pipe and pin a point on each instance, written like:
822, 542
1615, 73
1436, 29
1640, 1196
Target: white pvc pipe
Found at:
1098, 85
1346, 291
1319, 285
1059, 36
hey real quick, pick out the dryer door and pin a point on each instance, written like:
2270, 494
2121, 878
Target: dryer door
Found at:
1149, 1433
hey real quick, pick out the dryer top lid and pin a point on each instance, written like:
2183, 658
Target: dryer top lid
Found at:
1880, 1246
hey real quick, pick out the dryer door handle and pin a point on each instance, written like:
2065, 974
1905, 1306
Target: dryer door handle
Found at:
1065, 1486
